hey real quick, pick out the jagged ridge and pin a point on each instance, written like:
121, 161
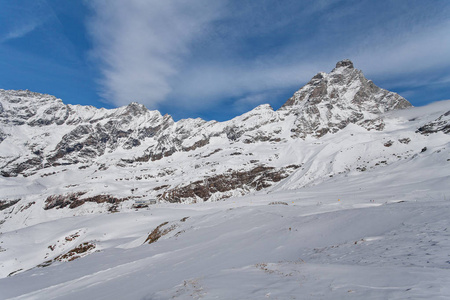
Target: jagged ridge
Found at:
328, 103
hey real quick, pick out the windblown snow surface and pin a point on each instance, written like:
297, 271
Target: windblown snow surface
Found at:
379, 234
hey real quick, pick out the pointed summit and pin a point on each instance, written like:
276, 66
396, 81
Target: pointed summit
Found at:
328, 102
346, 86
344, 63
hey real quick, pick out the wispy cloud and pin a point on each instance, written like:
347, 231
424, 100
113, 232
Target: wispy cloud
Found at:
403, 46
209, 84
425, 49
20, 19
36, 25
140, 44
21, 30
254, 99
196, 55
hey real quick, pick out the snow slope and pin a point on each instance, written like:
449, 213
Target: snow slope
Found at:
342, 193
380, 234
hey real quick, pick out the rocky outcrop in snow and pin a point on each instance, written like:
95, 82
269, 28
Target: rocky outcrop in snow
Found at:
329, 102
440, 124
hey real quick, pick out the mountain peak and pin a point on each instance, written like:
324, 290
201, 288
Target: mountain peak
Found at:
350, 88
346, 63
328, 102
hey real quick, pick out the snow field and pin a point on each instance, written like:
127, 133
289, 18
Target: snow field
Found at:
361, 236
365, 216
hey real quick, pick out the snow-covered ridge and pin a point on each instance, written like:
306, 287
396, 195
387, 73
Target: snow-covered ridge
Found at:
329, 102
44, 143
58, 134
279, 199
41, 140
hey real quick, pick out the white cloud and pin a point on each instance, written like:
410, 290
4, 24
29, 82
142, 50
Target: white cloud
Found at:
206, 85
401, 53
419, 51
197, 54
20, 19
140, 44
255, 99
20, 31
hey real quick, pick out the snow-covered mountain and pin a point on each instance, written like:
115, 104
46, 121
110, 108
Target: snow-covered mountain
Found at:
67, 171
39, 132
58, 134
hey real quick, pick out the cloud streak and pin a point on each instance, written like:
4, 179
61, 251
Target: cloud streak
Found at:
139, 45
199, 55
20, 19
20, 31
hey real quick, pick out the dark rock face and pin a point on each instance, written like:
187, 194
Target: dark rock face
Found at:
441, 124
73, 200
2, 136
344, 63
61, 201
159, 232
257, 178
18, 168
4, 204
76, 252
329, 102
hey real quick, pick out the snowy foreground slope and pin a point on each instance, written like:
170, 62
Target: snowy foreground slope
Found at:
380, 234
344, 192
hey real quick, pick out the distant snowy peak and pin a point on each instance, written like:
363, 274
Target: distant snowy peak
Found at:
346, 85
328, 102
35, 109
47, 133
346, 63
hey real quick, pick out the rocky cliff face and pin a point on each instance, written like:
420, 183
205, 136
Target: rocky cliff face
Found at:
441, 124
41, 136
326, 104
329, 102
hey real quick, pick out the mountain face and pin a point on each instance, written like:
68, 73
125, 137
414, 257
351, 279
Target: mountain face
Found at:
281, 198
328, 103
132, 153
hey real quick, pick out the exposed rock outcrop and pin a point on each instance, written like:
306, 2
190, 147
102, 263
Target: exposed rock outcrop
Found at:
258, 178
73, 200
441, 124
329, 102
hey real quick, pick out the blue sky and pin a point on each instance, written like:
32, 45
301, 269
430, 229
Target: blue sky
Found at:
218, 59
